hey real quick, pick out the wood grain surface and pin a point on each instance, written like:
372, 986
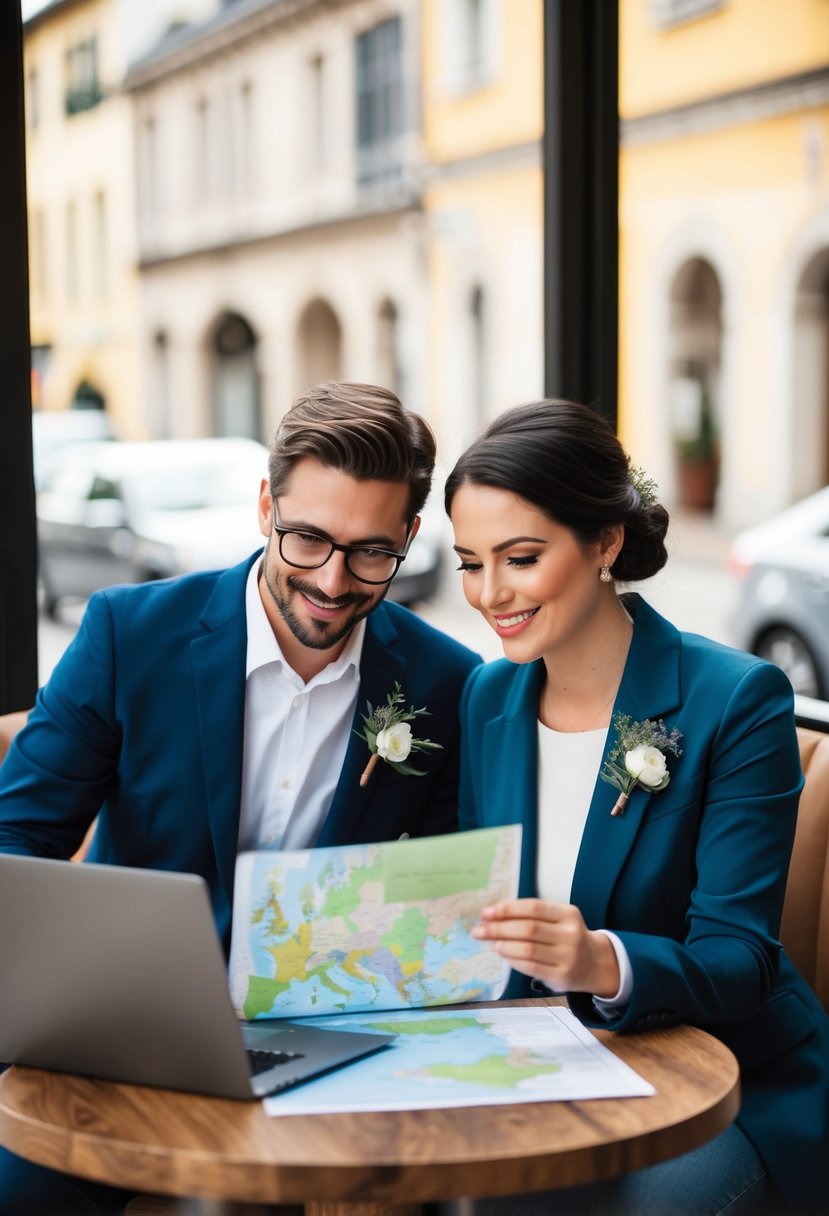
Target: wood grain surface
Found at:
181, 1144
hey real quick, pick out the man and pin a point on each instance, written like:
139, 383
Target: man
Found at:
216, 712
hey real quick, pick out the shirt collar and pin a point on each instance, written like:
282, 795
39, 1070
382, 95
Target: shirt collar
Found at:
263, 648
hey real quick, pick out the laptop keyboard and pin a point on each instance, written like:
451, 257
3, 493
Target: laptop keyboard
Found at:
261, 1061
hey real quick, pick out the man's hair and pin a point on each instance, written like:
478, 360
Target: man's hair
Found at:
360, 429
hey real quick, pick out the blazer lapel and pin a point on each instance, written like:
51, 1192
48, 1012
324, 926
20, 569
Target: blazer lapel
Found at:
218, 658
650, 688
380, 666
509, 749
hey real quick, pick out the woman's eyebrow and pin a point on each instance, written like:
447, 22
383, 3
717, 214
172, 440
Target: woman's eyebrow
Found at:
505, 544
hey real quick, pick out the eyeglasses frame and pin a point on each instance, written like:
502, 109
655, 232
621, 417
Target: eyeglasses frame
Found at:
347, 550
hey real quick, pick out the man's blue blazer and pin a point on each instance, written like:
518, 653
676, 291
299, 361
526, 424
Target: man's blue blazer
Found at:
691, 877
142, 721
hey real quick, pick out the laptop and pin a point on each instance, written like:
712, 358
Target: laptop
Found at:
115, 972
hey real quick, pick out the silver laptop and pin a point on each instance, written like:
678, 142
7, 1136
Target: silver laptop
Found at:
116, 972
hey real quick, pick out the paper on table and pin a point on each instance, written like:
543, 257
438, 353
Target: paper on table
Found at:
467, 1057
370, 927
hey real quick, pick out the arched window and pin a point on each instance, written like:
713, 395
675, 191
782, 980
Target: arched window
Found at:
479, 388
236, 408
810, 395
389, 370
319, 345
695, 361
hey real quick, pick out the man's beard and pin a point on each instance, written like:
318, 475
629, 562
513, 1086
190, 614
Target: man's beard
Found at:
316, 635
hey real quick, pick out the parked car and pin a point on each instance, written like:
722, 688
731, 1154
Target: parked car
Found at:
783, 602
55, 430
127, 512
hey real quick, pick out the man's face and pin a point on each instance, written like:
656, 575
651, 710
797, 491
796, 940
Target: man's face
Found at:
315, 610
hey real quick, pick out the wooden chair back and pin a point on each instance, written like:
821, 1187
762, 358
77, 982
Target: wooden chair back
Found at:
804, 930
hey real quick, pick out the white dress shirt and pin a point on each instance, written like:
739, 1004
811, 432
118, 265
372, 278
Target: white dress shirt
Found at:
568, 762
296, 735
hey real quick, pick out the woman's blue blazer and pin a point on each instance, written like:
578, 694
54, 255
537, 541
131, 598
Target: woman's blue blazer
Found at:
691, 877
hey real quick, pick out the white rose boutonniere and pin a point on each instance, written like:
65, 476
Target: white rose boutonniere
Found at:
389, 737
638, 757
394, 742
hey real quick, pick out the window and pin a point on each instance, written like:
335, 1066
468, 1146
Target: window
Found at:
665, 13
478, 349
318, 143
83, 90
380, 117
72, 285
33, 99
99, 245
469, 43
39, 255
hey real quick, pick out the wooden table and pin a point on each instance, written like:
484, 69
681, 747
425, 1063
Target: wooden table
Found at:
184, 1145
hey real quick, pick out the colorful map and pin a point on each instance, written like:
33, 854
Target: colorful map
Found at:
369, 927
466, 1057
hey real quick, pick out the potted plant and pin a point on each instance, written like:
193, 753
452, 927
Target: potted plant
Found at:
698, 457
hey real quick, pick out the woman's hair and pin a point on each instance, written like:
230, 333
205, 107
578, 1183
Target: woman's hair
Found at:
565, 460
361, 429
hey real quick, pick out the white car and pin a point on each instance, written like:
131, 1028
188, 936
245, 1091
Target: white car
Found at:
783, 604
128, 512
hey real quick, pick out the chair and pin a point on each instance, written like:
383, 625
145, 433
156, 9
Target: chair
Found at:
804, 930
10, 724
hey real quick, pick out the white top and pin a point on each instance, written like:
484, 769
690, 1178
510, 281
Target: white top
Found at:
568, 766
296, 735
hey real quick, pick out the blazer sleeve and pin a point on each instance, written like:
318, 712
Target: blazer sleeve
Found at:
61, 765
726, 965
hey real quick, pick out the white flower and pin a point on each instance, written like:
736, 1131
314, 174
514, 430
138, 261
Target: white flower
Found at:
395, 742
647, 765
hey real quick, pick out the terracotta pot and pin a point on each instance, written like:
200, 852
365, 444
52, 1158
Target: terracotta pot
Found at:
698, 484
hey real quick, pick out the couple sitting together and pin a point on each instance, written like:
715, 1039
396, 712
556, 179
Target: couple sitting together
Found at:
213, 713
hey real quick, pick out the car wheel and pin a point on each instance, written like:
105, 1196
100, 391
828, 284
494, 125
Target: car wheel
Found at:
786, 649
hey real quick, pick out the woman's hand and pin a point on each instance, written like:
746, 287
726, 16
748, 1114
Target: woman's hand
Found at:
551, 943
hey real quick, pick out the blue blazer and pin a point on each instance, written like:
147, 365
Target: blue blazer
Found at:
142, 721
691, 877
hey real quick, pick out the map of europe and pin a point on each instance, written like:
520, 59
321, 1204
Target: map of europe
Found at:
369, 927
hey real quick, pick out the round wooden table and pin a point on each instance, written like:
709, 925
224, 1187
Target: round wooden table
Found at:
179, 1144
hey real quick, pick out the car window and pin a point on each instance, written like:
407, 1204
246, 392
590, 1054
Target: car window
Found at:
188, 489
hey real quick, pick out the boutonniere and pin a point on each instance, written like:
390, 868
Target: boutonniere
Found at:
638, 757
389, 737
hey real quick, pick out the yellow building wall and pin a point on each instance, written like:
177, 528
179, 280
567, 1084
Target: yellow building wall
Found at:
508, 110
742, 43
92, 333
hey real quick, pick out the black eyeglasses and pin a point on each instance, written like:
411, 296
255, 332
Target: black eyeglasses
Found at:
308, 551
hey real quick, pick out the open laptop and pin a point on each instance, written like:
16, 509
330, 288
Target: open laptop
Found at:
115, 972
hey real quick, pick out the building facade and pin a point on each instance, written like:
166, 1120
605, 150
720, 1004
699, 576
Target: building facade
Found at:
81, 200
483, 200
724, 250
280, 226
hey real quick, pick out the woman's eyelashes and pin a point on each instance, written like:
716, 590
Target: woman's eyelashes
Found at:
519, 563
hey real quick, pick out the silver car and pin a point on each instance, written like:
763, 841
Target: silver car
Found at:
128, 512
783, 602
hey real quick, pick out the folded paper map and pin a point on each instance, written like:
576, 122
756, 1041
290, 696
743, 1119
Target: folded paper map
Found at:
370, 927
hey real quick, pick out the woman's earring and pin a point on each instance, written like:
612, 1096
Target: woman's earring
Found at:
604, 575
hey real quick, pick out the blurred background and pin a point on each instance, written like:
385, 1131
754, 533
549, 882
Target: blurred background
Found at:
231, 201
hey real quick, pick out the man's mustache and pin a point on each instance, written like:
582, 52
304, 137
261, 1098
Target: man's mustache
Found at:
314, 593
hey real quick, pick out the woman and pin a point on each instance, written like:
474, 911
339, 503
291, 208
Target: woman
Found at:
664, 906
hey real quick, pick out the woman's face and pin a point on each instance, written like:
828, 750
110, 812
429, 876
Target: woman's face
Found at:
534, 583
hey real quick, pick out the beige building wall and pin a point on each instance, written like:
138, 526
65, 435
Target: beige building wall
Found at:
483, 199
251, 206
725, 161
